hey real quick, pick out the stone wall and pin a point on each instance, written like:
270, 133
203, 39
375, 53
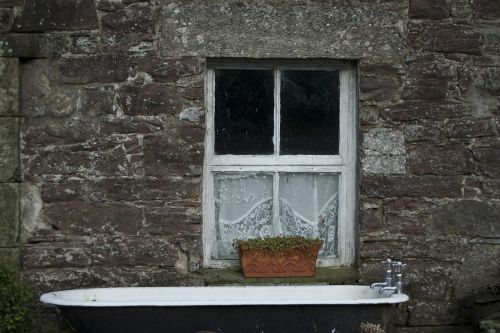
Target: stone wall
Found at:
102, 145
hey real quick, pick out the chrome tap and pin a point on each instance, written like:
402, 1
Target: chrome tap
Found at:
398, 288
388, 276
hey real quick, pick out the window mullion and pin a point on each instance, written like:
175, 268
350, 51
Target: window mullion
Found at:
276, 204
315, 198
277, 111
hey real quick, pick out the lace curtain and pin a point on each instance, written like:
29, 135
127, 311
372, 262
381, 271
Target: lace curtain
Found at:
244, 209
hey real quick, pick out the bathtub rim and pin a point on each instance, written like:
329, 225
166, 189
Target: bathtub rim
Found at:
56, 298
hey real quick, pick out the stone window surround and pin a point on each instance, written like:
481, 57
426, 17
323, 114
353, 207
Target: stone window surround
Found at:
345, 163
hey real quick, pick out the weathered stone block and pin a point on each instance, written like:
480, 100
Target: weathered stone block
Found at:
425, 89
467, 217
425, 110
109, 5
379, 88
369, 115
121, 125
488, 160
42, 96
491, 42
276, 29
10, 3
431, 313
134, 251
412, 205
430, 280
96, 190
9, 150
150, 99
486, 9
428, 9
194, 114
56, 15
108, 159
134, 18
50, 279
474, 274
10, 259
423, 186
384, 151
90, 218
171, 70
426, 132
6, 19
446, 250
461, 9
440, 160
405, 225
471, 128
97, 101
36, 45
173, 221
56, 255
379, 250
384, 164
172, 189
9, 87
382, 246
371, 220
445, 38
434, 329
386, 141
9, 215
192, 134
104, 68
166, 156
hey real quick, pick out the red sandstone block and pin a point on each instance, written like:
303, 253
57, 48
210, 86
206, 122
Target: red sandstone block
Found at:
93, 218
422, 186
440, 160
428, 9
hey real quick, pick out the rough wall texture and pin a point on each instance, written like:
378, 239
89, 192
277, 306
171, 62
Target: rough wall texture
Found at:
101, 147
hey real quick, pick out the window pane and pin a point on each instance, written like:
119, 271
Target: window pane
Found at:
243, 209
309, 112
308, 207
244, 102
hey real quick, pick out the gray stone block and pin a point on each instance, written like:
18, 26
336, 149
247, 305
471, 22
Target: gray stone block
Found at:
282, 29
9, 215
9, 149
9, 87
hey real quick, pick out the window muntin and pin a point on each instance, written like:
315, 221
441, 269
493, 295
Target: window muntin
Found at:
321, 163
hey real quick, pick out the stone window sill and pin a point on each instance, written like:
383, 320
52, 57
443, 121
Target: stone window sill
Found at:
324, 275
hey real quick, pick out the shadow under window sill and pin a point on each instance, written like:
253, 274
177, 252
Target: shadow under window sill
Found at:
324, 276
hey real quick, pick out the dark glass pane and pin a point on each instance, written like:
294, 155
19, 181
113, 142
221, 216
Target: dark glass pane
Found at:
244, 102
309, 112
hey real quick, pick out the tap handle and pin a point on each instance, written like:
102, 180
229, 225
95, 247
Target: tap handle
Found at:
399, 267
388, 263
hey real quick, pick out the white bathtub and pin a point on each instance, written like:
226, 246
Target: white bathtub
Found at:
225, 309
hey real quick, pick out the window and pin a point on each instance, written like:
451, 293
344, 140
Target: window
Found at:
280, 156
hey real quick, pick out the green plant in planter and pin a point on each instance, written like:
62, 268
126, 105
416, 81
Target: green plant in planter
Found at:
16, 301
280, 244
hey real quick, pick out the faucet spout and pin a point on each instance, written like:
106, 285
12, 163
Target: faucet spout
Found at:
394, 289
378, 284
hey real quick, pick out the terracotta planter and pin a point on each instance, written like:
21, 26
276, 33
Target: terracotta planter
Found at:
257, 263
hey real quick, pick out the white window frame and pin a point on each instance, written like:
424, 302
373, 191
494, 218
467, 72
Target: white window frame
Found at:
344, 164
